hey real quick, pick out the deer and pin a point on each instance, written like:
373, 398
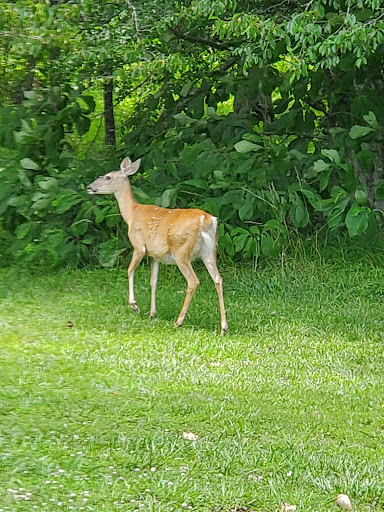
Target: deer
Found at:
171, 236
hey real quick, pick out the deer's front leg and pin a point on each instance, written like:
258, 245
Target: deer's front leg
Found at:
136, 258
154, 274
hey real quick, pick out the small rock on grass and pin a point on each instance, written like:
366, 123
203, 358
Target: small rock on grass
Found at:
286, 507
343, 501
189, 435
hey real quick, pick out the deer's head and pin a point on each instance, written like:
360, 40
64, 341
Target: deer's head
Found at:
114, 181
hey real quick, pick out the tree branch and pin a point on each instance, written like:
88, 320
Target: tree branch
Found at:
118, 102
197, 90
200, 40
135, 17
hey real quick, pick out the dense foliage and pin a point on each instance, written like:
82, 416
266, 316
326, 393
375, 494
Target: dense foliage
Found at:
267, 114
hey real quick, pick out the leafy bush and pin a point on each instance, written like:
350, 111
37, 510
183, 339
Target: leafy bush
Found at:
262, 187
46, 215
269, 118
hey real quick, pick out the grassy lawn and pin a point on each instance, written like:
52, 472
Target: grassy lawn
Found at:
288, 407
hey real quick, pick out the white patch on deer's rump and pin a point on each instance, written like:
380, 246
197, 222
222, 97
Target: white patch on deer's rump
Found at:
209, 237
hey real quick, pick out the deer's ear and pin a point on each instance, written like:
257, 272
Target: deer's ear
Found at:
128, 168
125, 165
135, 166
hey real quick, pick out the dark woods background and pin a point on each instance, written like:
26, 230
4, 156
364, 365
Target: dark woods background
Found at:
268, 115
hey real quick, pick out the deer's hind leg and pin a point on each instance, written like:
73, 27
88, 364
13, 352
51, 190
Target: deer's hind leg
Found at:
210, 263
193, 282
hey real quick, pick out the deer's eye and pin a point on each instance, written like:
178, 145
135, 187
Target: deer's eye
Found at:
108, 178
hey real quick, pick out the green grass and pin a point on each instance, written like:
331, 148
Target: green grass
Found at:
288, 407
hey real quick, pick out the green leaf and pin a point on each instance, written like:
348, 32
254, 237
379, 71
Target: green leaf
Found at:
364, 14
274, 225
244, 146
168, 197
298, 154
158, 157
22, 230
323, 184
252, 137
246, 211
298, 212
228, 245
30, 95
27, 163
109, 252
313, 198
23, 137
16, 200
233, 197
370, 119
380, 190
101, 214
320, 165
183, 119
80, 227
185, 89
66, 200
196, 107
335, 215
38, 195
361, 195
24, 180
267, 245
255, 230
221, 184
140, 194
90, 102
357, 131
26, 127
357, 220
250, 248
48, 183
271, 245
42, 203
239, 238
338, 192
83, 124
200, 184
199, 154
332, 154
365, 158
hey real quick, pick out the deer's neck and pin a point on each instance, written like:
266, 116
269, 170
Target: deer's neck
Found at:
126, 201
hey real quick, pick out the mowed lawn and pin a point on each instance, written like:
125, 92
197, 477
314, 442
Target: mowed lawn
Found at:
287, 407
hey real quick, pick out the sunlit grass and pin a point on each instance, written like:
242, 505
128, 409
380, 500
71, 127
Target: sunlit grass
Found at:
288, 407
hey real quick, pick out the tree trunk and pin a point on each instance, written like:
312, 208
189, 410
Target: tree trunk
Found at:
109, 116
253, 99
373, 179
27, 82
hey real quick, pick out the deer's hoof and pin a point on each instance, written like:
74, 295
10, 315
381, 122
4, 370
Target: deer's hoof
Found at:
135, 307
224, 329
